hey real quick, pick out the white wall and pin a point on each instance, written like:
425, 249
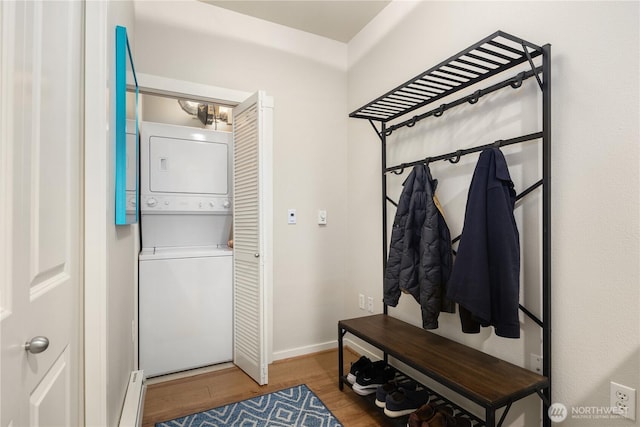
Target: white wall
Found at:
306, 75
595, 181
110, 251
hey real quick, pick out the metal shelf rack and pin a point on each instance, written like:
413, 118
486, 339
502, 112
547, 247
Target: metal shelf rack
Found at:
491, 56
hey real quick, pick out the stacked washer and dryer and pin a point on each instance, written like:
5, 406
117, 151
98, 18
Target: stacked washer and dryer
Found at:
185, 265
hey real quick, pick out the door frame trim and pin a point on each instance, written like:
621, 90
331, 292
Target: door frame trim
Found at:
158, 85
95, 205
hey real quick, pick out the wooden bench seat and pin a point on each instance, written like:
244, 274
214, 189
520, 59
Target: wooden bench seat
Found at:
484, 379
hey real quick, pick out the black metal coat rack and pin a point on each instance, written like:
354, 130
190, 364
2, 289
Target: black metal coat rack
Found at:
491, 56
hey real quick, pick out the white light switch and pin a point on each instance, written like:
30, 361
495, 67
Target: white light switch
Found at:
291, 218
322, 217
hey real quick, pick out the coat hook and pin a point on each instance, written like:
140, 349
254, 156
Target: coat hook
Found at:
456, 158
440, 111
427, 160
474, 97
498, 143
388, 132
517, 80
401, 171
413, 122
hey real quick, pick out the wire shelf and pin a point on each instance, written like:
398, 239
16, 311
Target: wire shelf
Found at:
490, 56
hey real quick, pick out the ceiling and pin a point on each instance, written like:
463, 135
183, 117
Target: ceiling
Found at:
335, 19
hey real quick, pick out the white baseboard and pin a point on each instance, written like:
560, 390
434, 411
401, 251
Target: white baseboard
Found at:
354, 346
133, 401
315, 348
301, 351
362, 351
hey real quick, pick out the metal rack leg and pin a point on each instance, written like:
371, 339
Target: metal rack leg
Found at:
490, 417
546, 229
341, 333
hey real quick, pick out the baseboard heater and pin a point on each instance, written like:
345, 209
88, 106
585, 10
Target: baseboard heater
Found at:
133, 401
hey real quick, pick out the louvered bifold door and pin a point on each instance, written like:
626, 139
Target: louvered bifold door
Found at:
250, 332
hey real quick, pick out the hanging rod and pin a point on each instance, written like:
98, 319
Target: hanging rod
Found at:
454, 157
515, 82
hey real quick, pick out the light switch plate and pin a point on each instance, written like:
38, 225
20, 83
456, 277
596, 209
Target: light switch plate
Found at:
291, 217
322, 217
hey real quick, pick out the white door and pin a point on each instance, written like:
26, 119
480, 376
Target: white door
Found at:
40, 222
252, 215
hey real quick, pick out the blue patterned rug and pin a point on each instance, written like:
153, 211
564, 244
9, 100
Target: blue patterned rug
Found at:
293, 407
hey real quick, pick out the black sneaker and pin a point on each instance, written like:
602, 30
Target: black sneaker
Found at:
390, 387
405, 401
369, 379
357, 367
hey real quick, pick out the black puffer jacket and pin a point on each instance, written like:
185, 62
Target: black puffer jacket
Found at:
420, 256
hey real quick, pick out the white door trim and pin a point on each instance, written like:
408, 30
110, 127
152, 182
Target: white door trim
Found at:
157, 85
96, 185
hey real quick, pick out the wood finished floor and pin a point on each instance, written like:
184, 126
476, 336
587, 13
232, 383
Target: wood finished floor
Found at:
319, 371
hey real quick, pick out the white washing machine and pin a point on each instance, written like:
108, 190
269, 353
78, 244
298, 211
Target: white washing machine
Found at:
185, 309
185, 265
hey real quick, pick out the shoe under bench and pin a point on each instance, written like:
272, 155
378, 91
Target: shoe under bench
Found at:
488, 381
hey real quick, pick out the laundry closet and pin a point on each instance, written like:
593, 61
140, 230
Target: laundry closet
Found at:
187, 295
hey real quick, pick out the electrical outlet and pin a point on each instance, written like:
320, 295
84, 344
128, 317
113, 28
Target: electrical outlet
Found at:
535, 363
623, 400
370, 304
361, 301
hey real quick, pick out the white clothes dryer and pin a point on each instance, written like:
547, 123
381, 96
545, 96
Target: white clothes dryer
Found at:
185, 186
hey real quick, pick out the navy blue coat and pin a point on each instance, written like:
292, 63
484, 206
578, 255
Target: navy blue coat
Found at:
420, 255
485, 280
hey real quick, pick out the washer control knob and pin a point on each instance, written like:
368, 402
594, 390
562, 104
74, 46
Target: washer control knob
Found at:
211, 204
151, 202
226, 204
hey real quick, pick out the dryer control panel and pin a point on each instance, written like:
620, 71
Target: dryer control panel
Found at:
185, 204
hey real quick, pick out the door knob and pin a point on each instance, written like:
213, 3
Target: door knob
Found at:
37, 345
